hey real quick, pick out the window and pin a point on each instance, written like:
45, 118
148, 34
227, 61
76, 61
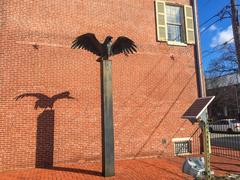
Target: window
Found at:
174, 23
235, 121
174, 16
182, 146
224, 123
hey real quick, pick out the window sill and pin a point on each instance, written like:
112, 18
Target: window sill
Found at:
181, 139
183, 154
174, 43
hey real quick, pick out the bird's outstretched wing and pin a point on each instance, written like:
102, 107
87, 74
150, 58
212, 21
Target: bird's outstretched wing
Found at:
88, 42
62, 95
123, 45
37, 95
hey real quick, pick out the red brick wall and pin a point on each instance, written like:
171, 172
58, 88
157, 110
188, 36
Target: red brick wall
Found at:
150, 89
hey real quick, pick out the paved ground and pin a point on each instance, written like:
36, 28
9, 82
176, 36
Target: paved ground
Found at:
143, 169
224, 166
220, 165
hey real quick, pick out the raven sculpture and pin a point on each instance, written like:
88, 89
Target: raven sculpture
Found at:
106, 49
45, 101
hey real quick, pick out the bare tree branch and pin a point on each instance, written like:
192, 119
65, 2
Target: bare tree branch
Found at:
225, 63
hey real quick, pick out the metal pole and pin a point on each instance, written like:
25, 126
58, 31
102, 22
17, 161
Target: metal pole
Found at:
236, 94
207, 150
107, 119
207, 145
198, 56
236, 30
198, 62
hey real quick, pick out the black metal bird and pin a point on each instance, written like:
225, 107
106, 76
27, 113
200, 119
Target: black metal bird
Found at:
106, 49
45, 101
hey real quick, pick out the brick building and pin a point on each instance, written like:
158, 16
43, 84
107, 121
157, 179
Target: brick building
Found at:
151, 89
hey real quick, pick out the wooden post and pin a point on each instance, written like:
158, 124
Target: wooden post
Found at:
107, 119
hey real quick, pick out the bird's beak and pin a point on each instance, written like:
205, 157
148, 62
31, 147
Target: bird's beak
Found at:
70, 97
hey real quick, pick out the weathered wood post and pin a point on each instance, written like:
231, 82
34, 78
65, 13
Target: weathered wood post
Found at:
108, 168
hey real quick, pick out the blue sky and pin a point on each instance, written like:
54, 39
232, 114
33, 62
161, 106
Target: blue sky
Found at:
218, 33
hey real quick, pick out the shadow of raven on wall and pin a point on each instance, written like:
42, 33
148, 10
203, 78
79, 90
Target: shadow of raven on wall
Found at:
45, 127
44, 101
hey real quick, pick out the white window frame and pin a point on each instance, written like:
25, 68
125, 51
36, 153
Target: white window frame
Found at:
187, 139
187, 24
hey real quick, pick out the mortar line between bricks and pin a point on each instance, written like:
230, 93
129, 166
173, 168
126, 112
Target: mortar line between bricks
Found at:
69, 47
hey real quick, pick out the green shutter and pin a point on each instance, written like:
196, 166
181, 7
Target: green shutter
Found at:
189, 26
161, 20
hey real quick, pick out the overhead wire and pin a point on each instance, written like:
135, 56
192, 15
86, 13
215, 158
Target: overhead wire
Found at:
216, 48
224, 13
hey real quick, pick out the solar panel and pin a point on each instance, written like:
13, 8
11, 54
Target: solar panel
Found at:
198, 107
